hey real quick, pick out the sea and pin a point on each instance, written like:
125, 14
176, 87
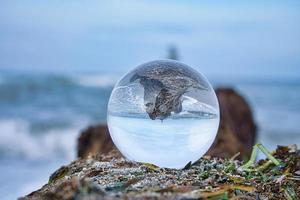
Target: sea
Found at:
42, 115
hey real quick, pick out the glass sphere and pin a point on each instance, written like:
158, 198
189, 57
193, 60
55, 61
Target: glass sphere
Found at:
163, 112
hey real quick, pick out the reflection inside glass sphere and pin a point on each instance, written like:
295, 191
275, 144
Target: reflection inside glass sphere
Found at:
163, 112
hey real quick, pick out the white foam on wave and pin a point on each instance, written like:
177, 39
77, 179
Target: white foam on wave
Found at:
192, 104
97, 80
16, 140
128, 99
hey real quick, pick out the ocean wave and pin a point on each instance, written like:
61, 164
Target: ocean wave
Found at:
16, 140
56, 90
97, 80
17, 84
50, 83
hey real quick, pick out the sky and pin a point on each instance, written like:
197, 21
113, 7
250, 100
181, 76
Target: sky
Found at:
222, 38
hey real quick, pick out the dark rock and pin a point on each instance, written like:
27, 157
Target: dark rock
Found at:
236, 133
95, 139
237, 130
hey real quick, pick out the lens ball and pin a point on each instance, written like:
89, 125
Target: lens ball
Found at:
163, 112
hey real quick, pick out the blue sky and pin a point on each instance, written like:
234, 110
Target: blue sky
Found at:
222, 38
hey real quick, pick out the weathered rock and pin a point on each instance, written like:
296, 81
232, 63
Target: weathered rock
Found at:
236, 133
237, 130
95, 139
108, 177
